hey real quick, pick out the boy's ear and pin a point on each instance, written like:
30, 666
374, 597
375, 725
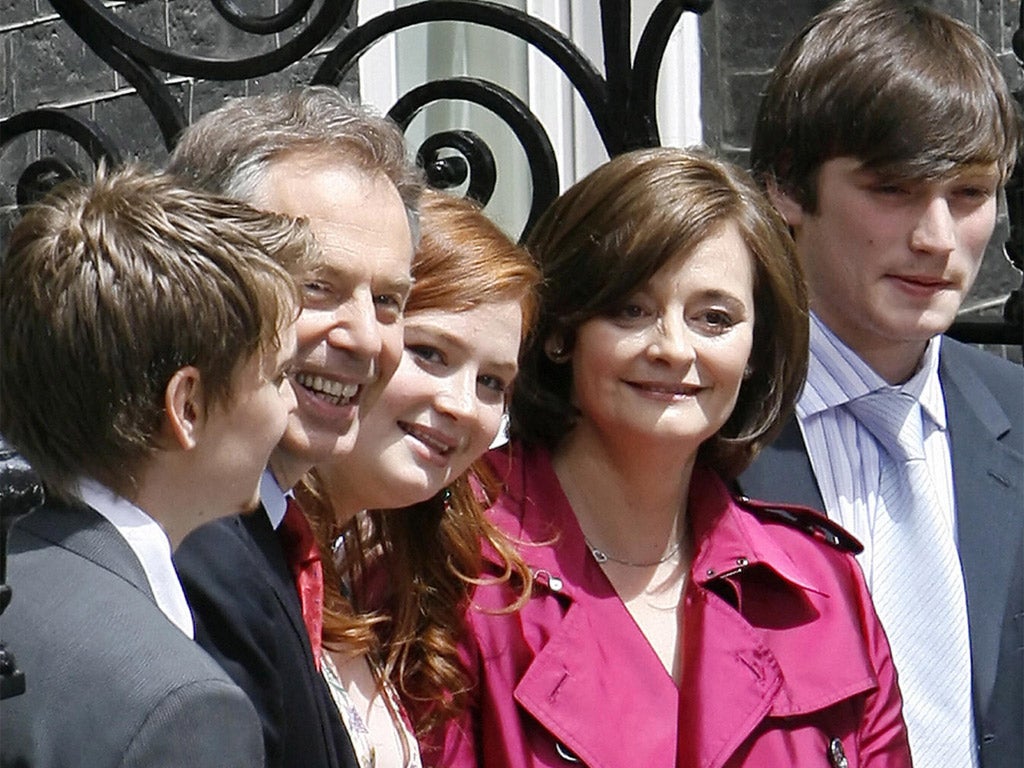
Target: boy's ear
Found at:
792, 211
184, 407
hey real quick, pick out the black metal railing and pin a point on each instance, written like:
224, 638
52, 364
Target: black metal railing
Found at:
621, 100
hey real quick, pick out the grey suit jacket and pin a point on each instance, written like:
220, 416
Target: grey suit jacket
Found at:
110, 681
985, 415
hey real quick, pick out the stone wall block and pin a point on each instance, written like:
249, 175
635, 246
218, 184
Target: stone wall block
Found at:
196, 29
14, 12
55, 66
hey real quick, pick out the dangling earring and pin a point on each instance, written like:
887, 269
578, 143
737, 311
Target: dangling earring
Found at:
446, 500
555, 349
558, 356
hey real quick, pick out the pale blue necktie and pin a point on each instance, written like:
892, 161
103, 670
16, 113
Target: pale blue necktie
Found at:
918, 588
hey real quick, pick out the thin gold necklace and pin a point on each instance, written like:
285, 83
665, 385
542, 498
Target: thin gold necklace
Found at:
603, 557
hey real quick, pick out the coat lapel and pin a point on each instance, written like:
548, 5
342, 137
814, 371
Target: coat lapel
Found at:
569, 689
730, 681
278, 576
987, 477
754, 606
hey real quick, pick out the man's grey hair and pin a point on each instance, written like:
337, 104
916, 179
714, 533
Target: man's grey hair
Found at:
231, 149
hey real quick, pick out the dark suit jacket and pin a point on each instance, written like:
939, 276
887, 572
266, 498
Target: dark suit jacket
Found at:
249, 618
109, 680
985, 415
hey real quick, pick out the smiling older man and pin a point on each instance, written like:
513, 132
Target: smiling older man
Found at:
312, 154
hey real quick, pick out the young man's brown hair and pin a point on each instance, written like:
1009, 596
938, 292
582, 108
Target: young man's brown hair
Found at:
909, 91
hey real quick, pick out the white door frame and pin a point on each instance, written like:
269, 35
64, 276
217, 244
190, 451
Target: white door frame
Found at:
570, 128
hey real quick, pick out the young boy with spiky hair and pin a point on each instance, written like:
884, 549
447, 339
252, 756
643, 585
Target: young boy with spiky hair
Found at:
147, 332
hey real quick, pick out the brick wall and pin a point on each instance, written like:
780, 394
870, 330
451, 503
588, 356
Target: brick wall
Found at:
43, 62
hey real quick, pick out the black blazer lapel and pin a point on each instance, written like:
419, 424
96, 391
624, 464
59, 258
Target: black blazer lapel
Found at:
782, 471
987, 476
336, 739
258, 527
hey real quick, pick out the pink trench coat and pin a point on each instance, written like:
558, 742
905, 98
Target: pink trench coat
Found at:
785, 663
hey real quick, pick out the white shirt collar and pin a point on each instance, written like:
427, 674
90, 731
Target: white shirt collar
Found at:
274, 499
151, 546
836, 375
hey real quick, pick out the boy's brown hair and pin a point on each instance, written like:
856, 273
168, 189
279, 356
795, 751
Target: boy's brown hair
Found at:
109, 288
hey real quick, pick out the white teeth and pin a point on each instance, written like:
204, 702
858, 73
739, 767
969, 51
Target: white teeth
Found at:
669, 390
328, 389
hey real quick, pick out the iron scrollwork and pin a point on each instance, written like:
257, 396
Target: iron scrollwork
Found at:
478, 159
621, 101
97, 25
43, 174
137, 57
1010, 330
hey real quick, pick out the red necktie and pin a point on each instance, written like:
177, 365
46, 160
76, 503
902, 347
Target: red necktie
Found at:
303, 557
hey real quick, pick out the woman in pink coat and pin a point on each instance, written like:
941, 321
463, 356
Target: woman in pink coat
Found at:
669, 623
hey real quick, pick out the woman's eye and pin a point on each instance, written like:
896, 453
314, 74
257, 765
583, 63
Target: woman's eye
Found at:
717, 319
494, 383
495, 389
426, 353
631, 311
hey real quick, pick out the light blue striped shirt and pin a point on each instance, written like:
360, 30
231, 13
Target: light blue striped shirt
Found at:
844, 455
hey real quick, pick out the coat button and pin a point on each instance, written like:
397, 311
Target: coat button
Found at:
742, 562
564, 753
836, 755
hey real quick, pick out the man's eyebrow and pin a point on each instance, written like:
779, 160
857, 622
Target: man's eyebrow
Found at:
402, 284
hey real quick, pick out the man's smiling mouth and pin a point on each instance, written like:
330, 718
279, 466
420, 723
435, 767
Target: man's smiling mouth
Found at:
332, 391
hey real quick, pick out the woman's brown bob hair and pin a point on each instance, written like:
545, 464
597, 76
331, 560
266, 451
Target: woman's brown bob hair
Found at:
606, 236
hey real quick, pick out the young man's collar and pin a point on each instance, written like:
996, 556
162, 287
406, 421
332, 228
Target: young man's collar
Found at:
836, 374
273, 498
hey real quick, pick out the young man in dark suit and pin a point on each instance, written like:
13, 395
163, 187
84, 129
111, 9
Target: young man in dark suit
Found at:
117, 386
309, 153
884, 137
